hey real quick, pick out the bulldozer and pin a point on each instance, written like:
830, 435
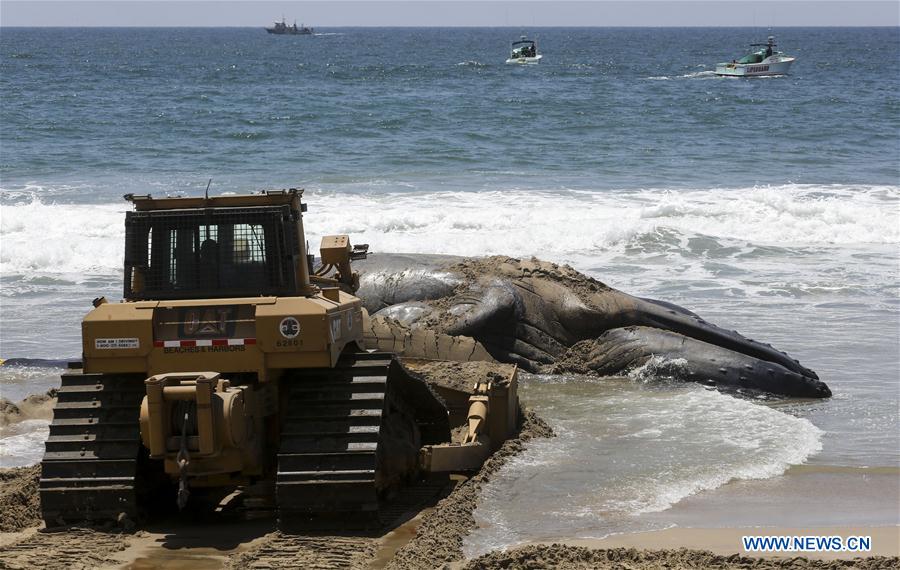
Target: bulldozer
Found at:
236, 360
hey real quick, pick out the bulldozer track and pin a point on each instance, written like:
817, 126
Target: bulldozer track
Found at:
65, 550
90, 466
328, 458
337, 460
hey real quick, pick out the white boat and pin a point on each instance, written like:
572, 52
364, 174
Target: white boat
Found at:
765, 61
524, 51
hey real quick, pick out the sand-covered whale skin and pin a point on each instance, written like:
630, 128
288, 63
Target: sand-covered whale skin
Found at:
551, 318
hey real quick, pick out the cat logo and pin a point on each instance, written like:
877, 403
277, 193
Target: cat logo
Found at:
289, 327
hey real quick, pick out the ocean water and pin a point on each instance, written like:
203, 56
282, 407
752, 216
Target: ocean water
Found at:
771, 206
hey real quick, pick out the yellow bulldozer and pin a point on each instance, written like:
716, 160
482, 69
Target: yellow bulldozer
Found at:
233, 361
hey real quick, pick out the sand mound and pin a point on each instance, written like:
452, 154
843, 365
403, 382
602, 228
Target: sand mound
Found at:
511, 267
535, 557
440, 537
20, 504
459, 376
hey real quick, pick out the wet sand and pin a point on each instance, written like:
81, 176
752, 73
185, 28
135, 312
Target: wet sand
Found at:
727, 541
707, 528
843, 497
850, 501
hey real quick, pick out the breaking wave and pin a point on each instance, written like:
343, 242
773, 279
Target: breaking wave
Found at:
23, 443
61, 239
660, 368
565, 225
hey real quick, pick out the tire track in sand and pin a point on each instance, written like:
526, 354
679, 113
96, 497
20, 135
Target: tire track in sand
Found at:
320, 552
71, 549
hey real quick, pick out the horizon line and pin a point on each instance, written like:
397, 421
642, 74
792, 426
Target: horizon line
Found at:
574, 26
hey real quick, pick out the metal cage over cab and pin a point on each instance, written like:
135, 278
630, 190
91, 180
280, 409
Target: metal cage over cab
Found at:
211, 252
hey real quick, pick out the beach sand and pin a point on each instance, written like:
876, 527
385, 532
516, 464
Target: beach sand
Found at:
727, 541
432, 539
580, 558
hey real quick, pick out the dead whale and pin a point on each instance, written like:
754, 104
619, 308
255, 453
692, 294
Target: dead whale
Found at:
551, 318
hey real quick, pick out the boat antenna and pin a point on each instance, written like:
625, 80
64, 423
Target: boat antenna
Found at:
207, 189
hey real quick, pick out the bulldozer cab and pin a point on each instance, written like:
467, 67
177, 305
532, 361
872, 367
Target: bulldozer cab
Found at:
212, 251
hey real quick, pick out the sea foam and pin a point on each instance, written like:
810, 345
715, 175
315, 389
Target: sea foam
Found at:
23, 443
563, 225
61, 239
624, 449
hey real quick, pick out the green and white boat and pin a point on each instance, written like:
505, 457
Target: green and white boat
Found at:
765, 61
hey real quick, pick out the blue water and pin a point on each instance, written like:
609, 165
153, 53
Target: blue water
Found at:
607, 108
768, 205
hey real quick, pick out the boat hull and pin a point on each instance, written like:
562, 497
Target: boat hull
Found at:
769, 66
524, 60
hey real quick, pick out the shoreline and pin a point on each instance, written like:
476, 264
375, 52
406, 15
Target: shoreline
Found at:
727, 541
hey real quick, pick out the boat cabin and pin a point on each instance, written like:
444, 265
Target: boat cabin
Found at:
523, 48
758, 56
